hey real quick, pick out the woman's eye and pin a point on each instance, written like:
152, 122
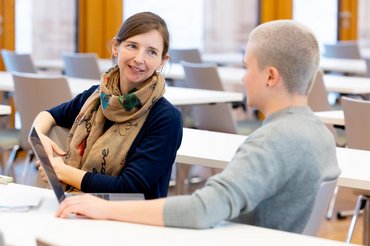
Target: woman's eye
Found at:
152, 52
133, 46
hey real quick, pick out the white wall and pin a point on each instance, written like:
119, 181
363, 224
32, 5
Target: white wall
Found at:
320, 16
184, 19
23, 26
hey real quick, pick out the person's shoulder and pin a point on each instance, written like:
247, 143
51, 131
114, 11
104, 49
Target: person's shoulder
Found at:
88, 92
164, 106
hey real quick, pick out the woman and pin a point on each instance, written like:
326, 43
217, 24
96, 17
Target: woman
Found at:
124, 134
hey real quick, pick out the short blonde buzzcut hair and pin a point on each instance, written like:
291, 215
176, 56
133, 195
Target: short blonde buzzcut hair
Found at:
291, 48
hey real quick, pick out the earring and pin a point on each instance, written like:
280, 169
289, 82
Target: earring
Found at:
267, 84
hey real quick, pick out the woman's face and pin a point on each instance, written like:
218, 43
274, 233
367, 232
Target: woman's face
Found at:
138, 58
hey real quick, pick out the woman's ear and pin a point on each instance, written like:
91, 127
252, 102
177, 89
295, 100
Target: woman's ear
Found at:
164, 60
115, 47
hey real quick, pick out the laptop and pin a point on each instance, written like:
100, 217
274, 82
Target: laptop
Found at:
54, 182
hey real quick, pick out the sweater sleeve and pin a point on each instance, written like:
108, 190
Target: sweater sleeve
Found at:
227, 194
149, 160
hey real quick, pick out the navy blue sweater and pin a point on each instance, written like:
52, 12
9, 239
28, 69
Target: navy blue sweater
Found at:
150, 158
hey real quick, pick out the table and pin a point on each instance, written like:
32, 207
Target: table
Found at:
233, 76
332, 117
231, 59
176, 95
351, 66
347, 84
22, 228
224, 59
207, 149
5, 109
228, 75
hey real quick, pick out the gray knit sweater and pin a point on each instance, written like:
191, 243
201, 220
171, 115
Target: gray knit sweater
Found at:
271, 181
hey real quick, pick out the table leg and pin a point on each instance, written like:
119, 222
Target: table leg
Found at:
366, 222
182, 172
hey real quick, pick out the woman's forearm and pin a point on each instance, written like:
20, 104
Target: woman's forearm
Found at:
68, 174
43, 122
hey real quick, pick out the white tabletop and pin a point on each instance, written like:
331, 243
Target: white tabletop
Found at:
224, 59
5, 109
228, 75
347, 84
327, 64
22, 228
233, 76
176, 95
333, 117
352, 66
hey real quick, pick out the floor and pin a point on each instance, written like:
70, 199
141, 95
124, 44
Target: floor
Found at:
334, 228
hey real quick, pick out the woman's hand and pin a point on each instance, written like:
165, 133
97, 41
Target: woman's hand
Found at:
85, 205
56, 162
51, 147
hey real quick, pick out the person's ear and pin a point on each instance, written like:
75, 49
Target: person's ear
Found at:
165, 59
272, 76
163, 62
115, 47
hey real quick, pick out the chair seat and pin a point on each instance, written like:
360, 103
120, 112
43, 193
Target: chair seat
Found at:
9, 138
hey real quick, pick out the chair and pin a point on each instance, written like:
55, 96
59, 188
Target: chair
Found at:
209, 117
34, 93
318, 98
9, 141
216, 117
367, 60
188, 55
321, 204
9, 147
357, 121
343, 49
59, 135
81, 65
15, 62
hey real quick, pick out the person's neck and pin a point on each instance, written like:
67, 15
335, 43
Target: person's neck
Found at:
125, 88
284, 102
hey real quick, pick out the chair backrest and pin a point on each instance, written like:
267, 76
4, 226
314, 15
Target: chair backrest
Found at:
81, 65
367, 60
357, 122
216, 117
322, 201
34, 93
344, 49
188, 55
59, 135
318, 96
15, 62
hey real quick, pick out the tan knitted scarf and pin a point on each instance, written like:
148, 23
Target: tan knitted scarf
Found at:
93, 149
